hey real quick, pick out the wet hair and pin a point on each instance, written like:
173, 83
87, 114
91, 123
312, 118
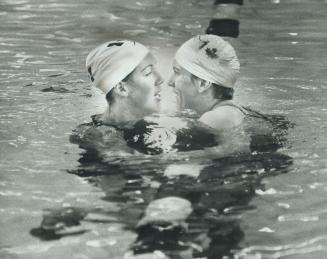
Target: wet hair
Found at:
221, 92
110, 95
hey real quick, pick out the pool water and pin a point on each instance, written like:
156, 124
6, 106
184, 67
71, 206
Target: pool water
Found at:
45, 94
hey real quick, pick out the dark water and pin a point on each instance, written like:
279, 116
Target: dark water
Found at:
45, 94
216, 187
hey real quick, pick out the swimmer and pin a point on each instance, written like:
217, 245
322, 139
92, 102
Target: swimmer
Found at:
126, 73
205, 72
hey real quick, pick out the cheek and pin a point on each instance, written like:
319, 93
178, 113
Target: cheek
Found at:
179, 82
145, 86
146, 93
182, 84
148, 82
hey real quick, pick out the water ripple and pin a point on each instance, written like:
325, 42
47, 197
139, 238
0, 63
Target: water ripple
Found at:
274, 252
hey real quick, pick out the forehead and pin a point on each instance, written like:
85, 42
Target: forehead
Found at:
176, 65
148, 60
179, 68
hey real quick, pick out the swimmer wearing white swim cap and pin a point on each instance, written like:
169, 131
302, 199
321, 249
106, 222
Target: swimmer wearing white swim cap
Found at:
126, 72
205, 72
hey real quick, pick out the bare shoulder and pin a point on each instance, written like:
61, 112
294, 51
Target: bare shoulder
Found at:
223, 118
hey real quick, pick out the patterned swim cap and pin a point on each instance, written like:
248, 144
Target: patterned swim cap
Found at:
210, 58
109, 63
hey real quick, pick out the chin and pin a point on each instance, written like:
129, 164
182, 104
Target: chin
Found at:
156, 109
152, 109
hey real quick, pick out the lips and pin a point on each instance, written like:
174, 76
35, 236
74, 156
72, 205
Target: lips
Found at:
157, 96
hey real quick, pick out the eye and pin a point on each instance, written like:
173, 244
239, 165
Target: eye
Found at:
148, 71
176, 71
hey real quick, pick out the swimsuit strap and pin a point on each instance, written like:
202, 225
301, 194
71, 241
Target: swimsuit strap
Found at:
96, 121
247, 111
255, 114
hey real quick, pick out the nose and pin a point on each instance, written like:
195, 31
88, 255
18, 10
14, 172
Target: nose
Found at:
171, 82
159, 79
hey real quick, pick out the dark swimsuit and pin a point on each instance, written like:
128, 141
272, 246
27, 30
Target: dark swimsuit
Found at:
267, 132
145, 136
152, 138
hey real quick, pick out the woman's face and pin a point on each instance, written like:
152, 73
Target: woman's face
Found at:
183, 86
144, 86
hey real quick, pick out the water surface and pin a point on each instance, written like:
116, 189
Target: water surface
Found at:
45, 94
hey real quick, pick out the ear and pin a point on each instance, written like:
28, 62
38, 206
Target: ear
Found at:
122, 89
203, 85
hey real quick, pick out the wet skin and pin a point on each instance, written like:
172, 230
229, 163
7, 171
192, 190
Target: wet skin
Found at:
144, 86
183, 87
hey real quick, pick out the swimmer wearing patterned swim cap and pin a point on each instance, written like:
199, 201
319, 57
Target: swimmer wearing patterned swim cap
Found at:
206, 69
125, 71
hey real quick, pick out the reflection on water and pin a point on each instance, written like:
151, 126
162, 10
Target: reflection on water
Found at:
45, 93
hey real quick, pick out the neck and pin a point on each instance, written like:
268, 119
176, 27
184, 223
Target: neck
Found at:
205, 103
122, 114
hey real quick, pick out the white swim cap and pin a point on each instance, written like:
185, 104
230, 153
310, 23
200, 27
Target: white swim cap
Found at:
109, 63
210, 58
